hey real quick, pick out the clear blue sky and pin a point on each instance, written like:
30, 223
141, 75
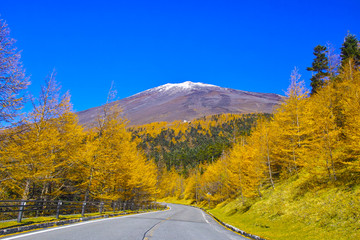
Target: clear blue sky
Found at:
246, 45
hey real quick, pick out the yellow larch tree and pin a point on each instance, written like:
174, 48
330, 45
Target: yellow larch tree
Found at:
291, 124
192, 185
262, 140
349, 90
244, 169
86, 166
215, 180
326, 144
171, 184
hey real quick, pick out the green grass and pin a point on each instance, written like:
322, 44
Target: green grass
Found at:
266, 228
285, 213
176, 201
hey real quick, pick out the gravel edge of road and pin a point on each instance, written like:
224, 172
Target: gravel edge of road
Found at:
234, 229
5, 232
230, 227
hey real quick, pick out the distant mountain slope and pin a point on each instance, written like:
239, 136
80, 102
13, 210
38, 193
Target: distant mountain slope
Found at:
186, 101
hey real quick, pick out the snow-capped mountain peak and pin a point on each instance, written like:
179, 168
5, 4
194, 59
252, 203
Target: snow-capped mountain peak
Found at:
187, 100
182, 86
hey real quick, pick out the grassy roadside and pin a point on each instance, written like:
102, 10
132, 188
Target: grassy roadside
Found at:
177, 201
288, 212
265, 228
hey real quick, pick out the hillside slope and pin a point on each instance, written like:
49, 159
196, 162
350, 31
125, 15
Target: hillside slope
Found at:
290, 212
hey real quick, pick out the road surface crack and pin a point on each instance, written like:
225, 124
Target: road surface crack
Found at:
148, 234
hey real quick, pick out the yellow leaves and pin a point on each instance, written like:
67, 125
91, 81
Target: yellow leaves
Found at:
349, 103
324, 134
215, 181
245, 170
291, 125
170, 184
153, 129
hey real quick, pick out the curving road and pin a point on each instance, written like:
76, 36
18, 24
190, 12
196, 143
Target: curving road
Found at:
178, 223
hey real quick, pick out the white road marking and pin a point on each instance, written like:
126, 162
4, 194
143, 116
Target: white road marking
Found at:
202, 212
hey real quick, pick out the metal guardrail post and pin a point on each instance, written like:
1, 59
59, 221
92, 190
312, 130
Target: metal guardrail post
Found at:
58, 209
37, 205
21, 211
83, 209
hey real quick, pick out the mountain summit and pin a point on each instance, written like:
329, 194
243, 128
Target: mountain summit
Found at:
186, 101
185, 86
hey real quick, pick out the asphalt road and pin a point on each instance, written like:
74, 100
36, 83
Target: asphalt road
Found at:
178, 223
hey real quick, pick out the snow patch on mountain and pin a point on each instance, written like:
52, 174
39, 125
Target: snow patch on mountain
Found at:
174, 87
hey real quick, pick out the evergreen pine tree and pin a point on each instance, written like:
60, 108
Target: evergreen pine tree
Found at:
350, 50
320, 66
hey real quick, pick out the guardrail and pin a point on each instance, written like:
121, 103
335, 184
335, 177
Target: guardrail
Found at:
17, 209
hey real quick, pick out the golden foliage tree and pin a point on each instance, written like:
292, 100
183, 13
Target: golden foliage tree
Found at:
325, 148
170, 184
215, 180
262, 140
349, 90
292, 127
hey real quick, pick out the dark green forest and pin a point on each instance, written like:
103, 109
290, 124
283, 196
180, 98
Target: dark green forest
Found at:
202, 141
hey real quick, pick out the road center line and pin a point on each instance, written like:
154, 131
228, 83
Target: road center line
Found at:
151, 230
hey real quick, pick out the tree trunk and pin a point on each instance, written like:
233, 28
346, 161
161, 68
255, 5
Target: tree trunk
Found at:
269, 163
26, 190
